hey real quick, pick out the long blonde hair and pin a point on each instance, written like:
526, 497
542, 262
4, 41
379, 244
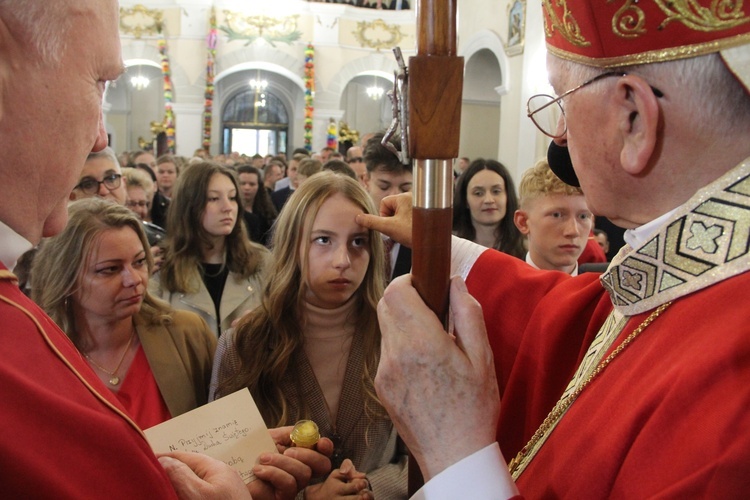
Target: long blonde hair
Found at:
268, 339
60, 263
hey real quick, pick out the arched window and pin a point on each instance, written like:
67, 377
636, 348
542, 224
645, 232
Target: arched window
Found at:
254, 121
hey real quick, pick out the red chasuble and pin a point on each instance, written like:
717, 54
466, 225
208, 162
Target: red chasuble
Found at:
62, 433
670, 417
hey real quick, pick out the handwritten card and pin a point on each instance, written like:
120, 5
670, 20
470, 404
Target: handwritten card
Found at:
229, 429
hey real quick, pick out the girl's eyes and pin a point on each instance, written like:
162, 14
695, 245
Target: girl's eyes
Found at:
356, 242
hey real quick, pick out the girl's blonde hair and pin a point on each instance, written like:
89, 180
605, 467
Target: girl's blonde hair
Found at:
268, 338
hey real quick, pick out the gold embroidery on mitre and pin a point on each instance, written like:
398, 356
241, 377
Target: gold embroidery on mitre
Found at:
567, 26
629, 20
653, 56
720, 15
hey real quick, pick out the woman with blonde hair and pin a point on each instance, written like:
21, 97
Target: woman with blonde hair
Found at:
92, 281
210, 267
311, 350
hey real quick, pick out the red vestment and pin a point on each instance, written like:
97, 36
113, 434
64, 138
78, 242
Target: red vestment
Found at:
592, 252
670, 416
62, 433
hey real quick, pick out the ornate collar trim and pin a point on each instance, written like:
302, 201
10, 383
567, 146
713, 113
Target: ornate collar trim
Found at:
706, 241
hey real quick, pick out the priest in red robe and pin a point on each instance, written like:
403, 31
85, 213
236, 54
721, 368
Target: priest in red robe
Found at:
629, 385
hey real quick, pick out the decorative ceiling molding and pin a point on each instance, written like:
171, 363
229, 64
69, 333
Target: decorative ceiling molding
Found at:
139, 20
378, 34
252, 28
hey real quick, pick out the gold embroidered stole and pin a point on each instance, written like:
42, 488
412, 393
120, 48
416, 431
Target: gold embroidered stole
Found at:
604, 339
705, 242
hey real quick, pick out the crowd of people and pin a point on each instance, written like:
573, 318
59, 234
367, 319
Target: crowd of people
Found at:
160, 283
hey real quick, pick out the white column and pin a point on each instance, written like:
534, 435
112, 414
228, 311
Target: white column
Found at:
532, 144
188, 127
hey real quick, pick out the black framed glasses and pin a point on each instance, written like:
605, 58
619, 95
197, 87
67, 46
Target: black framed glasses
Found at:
89, 185
356, 159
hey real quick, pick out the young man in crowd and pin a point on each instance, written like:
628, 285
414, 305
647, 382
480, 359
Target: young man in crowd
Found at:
273, 171
355, 159
554, 218
386, 176
166, 176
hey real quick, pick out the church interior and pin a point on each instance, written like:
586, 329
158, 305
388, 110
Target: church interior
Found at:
271, 76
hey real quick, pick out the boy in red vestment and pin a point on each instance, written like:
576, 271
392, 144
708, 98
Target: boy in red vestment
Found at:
629, 386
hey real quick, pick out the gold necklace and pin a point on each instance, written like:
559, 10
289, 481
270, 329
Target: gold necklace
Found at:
114, 380
563, 404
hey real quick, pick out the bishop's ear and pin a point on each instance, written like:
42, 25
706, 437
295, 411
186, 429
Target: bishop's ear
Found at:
639, 112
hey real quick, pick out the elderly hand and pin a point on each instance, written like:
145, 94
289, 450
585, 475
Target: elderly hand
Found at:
395, 218
196, 476
440, 392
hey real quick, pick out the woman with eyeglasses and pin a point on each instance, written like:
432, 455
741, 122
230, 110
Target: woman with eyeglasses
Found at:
92, 280
211, 267
101, 177
140, 189
485, 201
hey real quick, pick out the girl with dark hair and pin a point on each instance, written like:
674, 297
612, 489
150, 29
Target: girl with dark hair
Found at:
259, 213
485, 201
210, 266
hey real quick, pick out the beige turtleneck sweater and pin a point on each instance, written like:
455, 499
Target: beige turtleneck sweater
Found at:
328, 339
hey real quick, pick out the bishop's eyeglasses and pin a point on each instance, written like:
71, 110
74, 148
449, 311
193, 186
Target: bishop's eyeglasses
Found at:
546, 111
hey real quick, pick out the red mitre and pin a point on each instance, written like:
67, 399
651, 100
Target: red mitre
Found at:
614, 33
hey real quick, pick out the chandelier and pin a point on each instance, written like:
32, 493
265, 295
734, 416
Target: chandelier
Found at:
258, 84
139, 82
375, 92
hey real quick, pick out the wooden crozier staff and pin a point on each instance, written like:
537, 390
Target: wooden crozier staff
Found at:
432, 109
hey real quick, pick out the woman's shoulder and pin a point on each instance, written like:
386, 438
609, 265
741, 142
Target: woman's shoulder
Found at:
191, 324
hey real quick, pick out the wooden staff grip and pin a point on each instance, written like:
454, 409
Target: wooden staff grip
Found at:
436, 27
431, 260
435, 86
